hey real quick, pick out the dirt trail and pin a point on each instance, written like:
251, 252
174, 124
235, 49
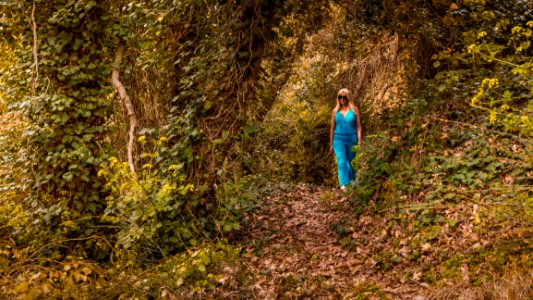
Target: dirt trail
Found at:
296, 253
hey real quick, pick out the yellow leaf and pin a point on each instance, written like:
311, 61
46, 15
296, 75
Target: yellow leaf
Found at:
86, 270
179, 282
22, 287
45, 288
477, 220
68, 282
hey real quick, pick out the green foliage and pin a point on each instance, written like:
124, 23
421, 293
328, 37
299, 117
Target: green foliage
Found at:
229, 81
205, 74
66, 106
235, 199
14, 184
15, 216
502, 45
455, 164
439, 165
150, 211
366, 290
440, 176
437, 133
182, 275
158, 211
210, 57
198, 266
295, 142
33, 281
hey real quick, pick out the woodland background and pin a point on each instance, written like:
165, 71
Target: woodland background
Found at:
137, 138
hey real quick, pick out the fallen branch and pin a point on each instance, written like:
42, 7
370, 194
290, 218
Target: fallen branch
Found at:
115, 79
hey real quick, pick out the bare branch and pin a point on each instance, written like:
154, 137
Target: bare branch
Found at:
33, 24
115, 79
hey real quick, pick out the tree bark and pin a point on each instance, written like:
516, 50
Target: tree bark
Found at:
115, 79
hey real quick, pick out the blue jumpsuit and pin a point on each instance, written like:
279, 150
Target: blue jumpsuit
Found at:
344, 138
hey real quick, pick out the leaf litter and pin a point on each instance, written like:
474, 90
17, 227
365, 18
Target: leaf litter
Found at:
303, 256
307, 243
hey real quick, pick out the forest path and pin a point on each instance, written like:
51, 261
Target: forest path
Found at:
295, 251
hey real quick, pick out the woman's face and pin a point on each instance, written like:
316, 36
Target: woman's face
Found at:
343, 98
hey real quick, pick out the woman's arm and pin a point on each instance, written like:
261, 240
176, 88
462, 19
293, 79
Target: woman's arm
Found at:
332, 129
359, 128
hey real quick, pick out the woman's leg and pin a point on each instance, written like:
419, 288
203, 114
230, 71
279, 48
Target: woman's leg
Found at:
343, 153
351, 156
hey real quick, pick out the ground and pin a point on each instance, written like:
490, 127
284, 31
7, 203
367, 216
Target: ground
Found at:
310, 242
295, 251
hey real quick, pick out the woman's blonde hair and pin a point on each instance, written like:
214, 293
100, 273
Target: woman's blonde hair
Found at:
347, 93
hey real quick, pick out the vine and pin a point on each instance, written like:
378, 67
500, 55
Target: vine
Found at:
67, 131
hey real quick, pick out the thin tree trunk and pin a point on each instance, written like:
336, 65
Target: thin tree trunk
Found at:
115, 79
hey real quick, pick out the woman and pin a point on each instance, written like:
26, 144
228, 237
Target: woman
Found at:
344, 134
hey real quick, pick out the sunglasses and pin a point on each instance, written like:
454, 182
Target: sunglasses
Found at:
342, 97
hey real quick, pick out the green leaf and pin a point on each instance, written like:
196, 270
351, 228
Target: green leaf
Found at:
201, 268
90, 5
68, 176
227, 227
236, 226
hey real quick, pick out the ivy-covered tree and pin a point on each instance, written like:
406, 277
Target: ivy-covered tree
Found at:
63, 93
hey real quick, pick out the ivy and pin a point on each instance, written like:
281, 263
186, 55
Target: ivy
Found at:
66, 114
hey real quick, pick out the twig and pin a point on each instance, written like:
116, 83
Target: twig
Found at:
456, 122
33, 24
35, 50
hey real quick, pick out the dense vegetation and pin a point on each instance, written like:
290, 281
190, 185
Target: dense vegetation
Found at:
136, 136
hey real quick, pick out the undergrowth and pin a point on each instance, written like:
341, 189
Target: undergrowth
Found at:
159, 248
181, 275
455, 200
